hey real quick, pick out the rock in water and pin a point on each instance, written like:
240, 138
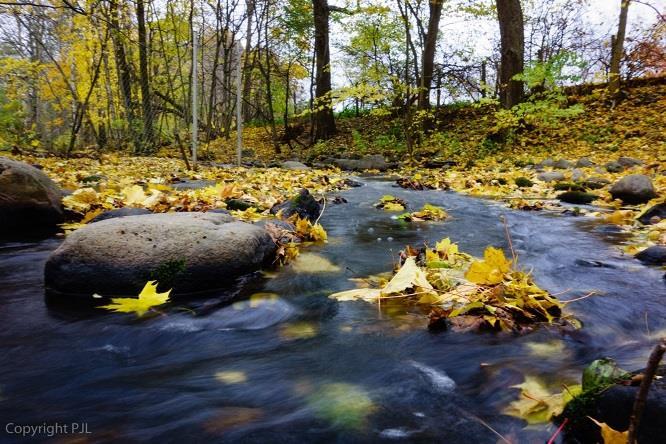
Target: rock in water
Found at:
29, 200
189, 252
633, 189
654, 255
120, 212
654, 214
304, 205
370, 162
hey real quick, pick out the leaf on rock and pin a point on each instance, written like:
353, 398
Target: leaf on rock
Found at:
148, 298
609, 434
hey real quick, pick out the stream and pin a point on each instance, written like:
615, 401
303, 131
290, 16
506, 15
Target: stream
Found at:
292, 365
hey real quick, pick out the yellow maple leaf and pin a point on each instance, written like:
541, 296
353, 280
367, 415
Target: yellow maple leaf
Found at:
392, 206
409, 276
491, 269
148, 298
446, 248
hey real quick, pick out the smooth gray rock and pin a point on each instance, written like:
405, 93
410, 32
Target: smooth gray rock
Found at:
120, 212
193, 184
551, 176
595, 183
562, 164
370, 162
29, 200
189, 252
628, 162
584, 162
614, 167
633, 189
654, 255
577, 175
546, 163
294, 165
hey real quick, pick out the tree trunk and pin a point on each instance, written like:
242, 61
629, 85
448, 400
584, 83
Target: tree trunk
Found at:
428, 58
247, 66
146, 104
324, 122
616, 51
510, 17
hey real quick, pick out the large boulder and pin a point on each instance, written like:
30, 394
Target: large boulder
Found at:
29, 200
303, 204
189, 252
633, 189
370, 162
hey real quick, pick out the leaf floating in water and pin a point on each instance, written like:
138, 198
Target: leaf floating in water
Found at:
343, 405
313, 263
391, 203
228, 418
491, 269
231, 377
148, 298
298, 330
537, 404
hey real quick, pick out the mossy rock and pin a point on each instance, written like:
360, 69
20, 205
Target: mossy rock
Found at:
523, 182
577, 197
568, 186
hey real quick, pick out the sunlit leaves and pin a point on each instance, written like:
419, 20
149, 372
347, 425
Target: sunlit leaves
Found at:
344, 405
148, 298
491, 269
537, 404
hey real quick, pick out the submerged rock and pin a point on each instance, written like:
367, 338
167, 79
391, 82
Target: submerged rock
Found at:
633, 189
120, 212
304, 205
29, 200
189, 252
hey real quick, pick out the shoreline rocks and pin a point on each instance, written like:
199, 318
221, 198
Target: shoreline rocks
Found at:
29, 200
633, 189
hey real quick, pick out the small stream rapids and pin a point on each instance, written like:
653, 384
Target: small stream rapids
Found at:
299, 367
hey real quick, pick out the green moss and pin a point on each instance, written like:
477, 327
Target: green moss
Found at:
524, 182
568, 186
167, 272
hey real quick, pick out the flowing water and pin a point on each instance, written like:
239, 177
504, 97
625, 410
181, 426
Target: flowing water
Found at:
300, 367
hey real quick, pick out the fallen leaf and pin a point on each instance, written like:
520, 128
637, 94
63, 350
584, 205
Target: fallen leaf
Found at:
148, 298
609, 434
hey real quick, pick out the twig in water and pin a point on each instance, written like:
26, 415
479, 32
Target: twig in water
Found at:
508, 238
592, 293
558, 431
647, 326
322, 211
641, 396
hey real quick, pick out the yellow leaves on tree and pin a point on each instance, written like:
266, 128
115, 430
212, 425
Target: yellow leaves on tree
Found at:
491, 269
148, 298
537, 404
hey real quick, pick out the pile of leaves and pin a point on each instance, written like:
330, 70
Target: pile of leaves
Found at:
428, 212
463, 292
391, 203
